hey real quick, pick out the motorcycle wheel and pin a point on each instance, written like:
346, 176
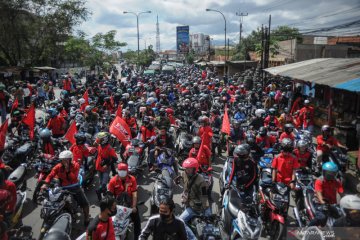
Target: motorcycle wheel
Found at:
37, 191
278, 231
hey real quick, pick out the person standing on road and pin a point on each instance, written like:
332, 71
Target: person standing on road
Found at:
165, 225
122, 183
102, 227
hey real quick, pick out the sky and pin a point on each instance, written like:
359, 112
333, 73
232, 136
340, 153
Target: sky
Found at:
306, 15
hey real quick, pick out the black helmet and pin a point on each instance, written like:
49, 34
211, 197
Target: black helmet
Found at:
57, 235
80, 138
45, 134
146, 120
288, 127
196, 140
236, 123
287, 145
162, 112
263, 131
272, 111
241, 151
250, 138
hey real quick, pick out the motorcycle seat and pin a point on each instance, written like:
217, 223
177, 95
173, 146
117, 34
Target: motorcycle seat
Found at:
265, 179
18, 175
234, 203
62, 223
23, 150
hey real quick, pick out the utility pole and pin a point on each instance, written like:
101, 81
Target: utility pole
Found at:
267, 45
157, 35
241, 15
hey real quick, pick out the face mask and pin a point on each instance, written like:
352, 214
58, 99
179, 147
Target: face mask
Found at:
164, 217
112, 213
122, 173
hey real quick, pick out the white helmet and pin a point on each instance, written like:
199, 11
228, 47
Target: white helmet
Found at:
65, 155
81, 101
351, 202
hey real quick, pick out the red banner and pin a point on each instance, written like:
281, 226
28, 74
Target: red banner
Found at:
70, 134
86, 97
3, 132
14, 105
225, 128
121, 130
29, 120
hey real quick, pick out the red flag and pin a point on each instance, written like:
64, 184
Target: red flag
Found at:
119, 111
70, 134
121, 130
14, 105
225, 128
112, 101
29, 120
200, 152
86, 97
3, 132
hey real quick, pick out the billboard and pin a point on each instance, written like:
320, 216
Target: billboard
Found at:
182, 39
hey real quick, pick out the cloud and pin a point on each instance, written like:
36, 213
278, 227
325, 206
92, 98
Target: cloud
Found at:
306, 14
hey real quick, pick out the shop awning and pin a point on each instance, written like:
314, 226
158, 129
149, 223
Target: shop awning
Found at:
343, 73
45, 68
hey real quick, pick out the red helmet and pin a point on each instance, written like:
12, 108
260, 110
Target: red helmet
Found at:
169, 111
191, 163
123, 166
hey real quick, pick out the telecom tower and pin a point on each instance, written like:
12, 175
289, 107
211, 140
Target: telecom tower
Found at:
157, 35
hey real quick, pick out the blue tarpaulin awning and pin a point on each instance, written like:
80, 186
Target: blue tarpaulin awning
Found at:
351, 85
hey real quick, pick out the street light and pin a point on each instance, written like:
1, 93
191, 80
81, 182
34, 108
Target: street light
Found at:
137, 25
213, 10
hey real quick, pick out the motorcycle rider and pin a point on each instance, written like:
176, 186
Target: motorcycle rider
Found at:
105, 161
326, 188
67, 172
255, 151
165, 225
147, 135
47, 144
288, 132
108, 105
271, 120
243, 170
162, 140
9, 208
284, 164
122, 183
303, 154
102, 227
92, 118
237, 135
263, 140
205, 131
79, 150
325, 141
131, 122
307, 116
351, 206
195, 195
162, 120
56, 124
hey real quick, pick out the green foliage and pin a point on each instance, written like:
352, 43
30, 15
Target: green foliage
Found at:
145, 56
253, 41
34, 30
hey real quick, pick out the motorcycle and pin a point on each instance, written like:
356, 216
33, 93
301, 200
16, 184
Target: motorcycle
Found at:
274, 204
183, 145
225, 174
206, 227
135, 155
18, 177
43, 166
302, 209
89, 173
206, 173
239, 216
63, 224
20, 197
56, 202
163, 187
266, 159
18, 150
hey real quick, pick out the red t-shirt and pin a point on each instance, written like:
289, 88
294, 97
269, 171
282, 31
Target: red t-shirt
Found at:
103, 153
269, 141
146, 133
285, 135
10, 186
56, 125
328, 189
204, 156
48, 149
285, 165
116, 186
67, 178
206, 133
320, 141
303, 158
99, 230
79, 153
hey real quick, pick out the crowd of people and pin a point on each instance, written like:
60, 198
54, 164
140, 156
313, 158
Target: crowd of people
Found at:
249, 114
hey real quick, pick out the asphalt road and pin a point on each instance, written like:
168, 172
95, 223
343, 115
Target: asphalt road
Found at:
31, 215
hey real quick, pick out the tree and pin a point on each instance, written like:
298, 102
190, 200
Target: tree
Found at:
145, 56
34, 30
253, 42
